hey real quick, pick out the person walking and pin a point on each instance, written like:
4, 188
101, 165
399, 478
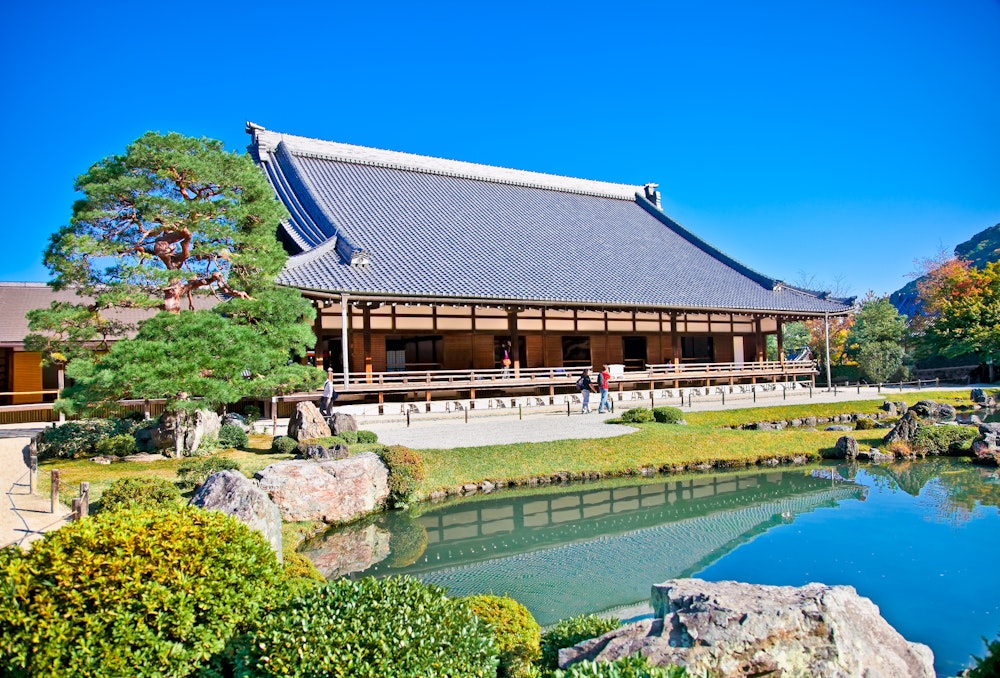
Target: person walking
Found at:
585, 384
603, 379
329, 394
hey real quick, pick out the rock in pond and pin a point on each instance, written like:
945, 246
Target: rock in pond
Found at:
733, 629
334, 491
236, 495
904, 429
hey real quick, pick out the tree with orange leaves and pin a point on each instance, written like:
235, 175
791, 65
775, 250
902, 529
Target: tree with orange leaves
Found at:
961, 311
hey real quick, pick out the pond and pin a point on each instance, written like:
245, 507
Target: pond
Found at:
918, 538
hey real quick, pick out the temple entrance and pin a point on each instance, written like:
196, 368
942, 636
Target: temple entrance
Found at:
634, 353
414, 353
576, 351
697, 349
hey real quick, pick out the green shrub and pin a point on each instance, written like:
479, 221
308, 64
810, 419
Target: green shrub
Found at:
233, 436
117, 446
406, 472
300, 574
195, 472
637, 415
367, 437
76, 439
864, 424
133, 593
667, 415
635, 666
145, 493
569, 632
988, 666
937, 439
284, 445
350, 437
395, 627
517, 634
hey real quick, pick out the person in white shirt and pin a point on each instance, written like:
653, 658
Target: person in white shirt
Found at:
329, 394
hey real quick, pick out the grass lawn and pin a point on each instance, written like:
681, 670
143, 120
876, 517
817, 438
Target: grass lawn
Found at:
661, 446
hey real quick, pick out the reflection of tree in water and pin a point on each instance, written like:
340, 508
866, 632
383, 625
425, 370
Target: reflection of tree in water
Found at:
954, 487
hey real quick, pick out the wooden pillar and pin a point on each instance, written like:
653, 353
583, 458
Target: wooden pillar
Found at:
61, 384
344, 338
318, 331
659, 342
545, 343
366, 336
759, 340
472, 336
515, 344
781, 344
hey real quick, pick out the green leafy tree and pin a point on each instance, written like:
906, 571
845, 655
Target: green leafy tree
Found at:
961, 307
876, 338
171, 218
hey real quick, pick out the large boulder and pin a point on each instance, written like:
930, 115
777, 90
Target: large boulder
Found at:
340, 422
934, 410
236, 495
181, 431
236, 419
318, 452
733, 629
986, 448
334, 491
982, 398
307, 422
846, 448
904, 430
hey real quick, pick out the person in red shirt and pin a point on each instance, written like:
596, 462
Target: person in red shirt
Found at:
603, 379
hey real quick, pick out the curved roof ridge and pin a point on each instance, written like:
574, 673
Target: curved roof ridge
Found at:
364, 155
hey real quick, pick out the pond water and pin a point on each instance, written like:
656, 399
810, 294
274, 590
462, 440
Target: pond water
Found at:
918, 538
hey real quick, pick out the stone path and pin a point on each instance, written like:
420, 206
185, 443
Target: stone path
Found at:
24, 517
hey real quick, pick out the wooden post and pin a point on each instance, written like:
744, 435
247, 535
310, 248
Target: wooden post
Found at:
84, 499
274, 416
60, 383
32, 473
76, 509
55, 490
366, 341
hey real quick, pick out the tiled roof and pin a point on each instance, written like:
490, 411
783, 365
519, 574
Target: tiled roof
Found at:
424, 227
17, 298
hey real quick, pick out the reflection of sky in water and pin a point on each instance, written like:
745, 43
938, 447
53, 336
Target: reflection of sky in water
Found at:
928, 565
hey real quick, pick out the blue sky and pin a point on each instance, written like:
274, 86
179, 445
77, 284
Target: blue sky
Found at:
830, 141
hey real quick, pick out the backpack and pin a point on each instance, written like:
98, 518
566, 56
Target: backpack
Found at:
579, 384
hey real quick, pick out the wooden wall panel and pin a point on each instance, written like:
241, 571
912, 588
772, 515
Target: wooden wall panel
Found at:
458, 352
599, 349
357, 352
533, 347
27, 376
724, 352
553, 350
483, 357
378, 353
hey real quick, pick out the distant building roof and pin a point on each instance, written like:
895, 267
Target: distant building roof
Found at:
383, 223
17, 298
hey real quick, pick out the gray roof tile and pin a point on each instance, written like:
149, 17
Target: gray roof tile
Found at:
442, 228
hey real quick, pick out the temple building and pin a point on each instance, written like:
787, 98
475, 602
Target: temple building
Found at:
447, 271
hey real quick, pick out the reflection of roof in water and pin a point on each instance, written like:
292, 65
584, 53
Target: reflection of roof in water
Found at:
574, 550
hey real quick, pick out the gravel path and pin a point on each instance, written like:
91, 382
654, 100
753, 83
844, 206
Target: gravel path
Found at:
24, 517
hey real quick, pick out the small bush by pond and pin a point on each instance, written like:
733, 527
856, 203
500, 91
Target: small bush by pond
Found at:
195, 472
406, 472
939, 439
374, 627
133, 593
517, 633
569, 632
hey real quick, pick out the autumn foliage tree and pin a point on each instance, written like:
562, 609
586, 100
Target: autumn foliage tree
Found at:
173, 218
961, 311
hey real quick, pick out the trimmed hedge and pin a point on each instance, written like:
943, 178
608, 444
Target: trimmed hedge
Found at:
76, 439
367, 437
637, 415
667, 415
133, 593
233, 436
194, 473
517, 634
373, 628
284, 445
406, 472
120, 445
569, 632
145, 493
